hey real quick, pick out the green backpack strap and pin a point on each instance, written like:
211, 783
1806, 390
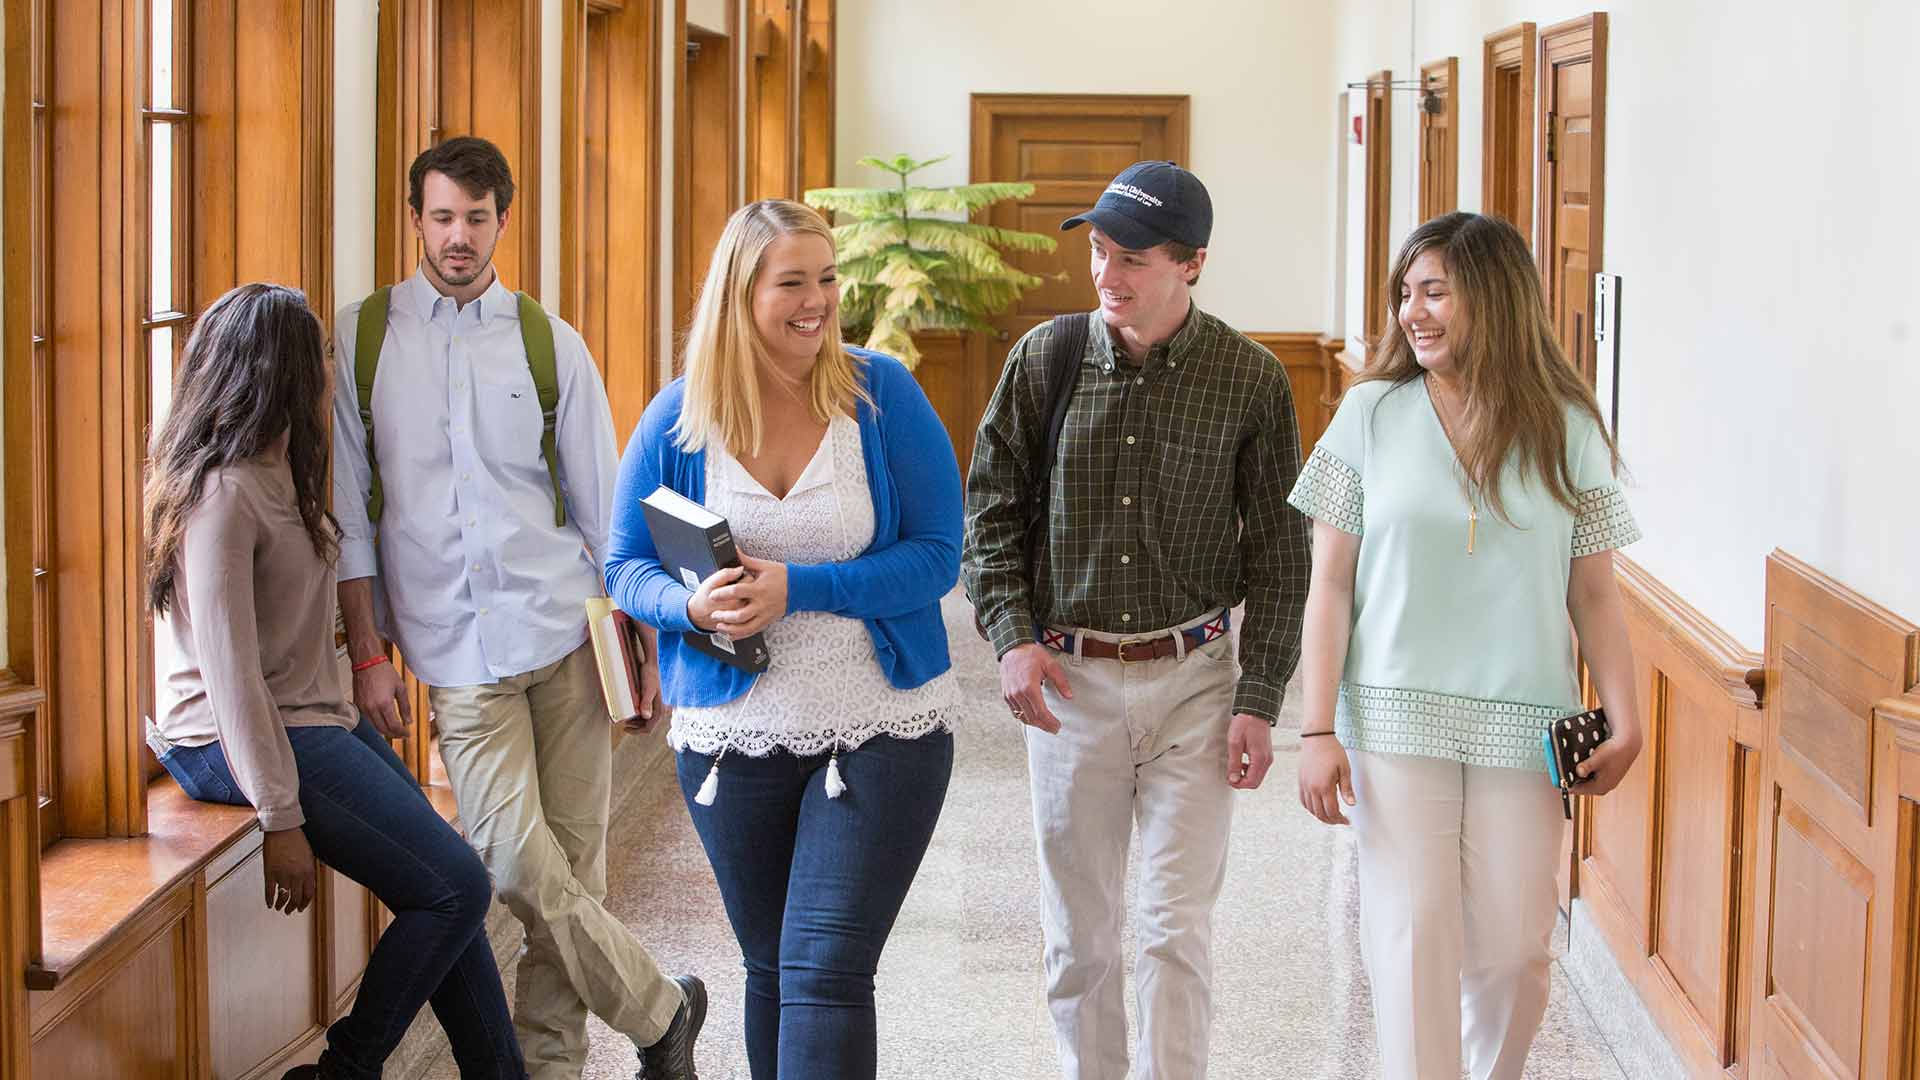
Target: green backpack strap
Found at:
536, 333
369, 334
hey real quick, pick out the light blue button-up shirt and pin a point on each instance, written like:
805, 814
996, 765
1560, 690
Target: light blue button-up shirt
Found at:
475, 583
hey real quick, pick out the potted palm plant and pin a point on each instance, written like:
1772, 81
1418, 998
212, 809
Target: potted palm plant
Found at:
905, 267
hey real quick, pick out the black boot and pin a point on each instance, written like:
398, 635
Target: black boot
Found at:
672, 1057
302, 1072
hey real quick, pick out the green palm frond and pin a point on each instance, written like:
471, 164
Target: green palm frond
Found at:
903, 269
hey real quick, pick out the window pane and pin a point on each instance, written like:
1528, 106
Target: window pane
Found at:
162, 53
161, 234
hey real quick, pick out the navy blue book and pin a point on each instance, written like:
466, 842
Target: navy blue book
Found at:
694, 543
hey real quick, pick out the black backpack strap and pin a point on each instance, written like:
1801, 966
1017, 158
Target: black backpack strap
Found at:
1066, 348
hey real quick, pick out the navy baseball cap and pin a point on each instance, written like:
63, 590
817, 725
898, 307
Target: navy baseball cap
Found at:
1150, 203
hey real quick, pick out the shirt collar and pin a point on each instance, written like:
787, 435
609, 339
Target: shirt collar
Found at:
418, 296
1112, 353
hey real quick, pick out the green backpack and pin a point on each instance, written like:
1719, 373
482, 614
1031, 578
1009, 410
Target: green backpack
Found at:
536, 334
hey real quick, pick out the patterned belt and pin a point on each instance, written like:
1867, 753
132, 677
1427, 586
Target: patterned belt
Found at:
1135, 650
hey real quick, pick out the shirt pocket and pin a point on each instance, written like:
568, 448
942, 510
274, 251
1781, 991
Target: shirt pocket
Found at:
507, 422
1193, 505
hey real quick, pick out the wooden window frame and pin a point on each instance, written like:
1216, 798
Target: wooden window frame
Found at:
1442, 78
1509, 163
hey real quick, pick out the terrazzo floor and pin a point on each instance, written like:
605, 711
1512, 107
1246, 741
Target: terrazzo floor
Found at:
960, 990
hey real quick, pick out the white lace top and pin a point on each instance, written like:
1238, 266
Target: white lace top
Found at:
824, 690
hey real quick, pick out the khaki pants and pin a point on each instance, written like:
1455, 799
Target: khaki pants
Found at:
529, 762
1457, 908
1143, 742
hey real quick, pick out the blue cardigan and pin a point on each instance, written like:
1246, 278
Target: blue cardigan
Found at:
894, 586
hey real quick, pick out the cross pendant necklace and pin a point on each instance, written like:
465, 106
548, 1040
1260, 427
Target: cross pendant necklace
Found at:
1473, 512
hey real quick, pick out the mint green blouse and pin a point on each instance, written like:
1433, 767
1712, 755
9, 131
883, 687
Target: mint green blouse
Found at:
1456, 655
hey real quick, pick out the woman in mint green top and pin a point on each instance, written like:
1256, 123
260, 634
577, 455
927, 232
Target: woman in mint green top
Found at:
1465, 508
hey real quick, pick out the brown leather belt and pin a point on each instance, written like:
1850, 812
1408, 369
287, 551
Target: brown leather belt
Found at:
1135, 650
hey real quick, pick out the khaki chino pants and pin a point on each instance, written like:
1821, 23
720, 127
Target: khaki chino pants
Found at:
530, 765
1141, 743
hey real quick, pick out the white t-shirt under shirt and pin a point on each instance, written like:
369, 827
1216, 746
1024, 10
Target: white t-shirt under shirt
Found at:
824, 689
1454, 655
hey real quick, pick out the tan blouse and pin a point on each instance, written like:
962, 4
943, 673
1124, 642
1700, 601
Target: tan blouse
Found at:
252, 630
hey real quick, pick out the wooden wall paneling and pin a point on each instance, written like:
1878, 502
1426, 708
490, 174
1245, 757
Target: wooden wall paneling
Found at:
1824, 984
489, 85
408, 102
611, 132
705, 165
1378, 133
1508, 59
131, 1014
259, 1011
348, 916
1666, 860
97, 404
1901, 716
19, 873
1300, 354
816, 62
771, 163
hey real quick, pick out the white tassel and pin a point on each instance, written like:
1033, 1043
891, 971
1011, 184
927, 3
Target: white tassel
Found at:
710, 787
835, 786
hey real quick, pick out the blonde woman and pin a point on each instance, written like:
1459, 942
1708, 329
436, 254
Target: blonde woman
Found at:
1465, 506
814, 786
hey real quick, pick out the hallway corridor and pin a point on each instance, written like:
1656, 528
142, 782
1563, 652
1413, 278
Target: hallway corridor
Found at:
960, 990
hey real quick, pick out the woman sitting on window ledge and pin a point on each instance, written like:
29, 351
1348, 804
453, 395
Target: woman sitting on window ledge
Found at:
240, 553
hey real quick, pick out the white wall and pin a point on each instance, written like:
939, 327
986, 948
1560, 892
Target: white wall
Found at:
1262, 93
1760, 206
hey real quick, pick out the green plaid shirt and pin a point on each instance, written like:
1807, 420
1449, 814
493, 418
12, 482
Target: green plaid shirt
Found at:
1169, 499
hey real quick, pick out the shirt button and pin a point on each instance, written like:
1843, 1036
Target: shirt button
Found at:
476, 567
1124, 560
1140, 381
458, 385
1171, 365
1126, 616
466, 476
483, 611
1126, 500
473, 521
1129, 440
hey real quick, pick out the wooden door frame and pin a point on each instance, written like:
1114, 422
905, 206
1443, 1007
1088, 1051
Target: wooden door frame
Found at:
685, 285
1175, 110
1582, 39
1446, 73
1512, 49
1377, 133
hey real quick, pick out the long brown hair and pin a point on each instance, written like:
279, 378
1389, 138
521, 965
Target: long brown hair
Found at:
724, 350
1518, 383
254, 367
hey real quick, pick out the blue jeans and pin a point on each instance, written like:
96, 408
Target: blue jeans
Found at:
368, 819
812, 886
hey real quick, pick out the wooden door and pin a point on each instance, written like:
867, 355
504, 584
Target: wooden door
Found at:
1377, 135
1506, 149
1439, 138
1069, 147
705, 189
1572, 171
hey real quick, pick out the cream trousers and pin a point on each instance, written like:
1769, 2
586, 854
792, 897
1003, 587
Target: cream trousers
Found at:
1457, 910
530, 764
1146, 743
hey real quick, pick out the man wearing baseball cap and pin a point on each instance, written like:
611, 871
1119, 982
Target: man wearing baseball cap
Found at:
1107, 596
